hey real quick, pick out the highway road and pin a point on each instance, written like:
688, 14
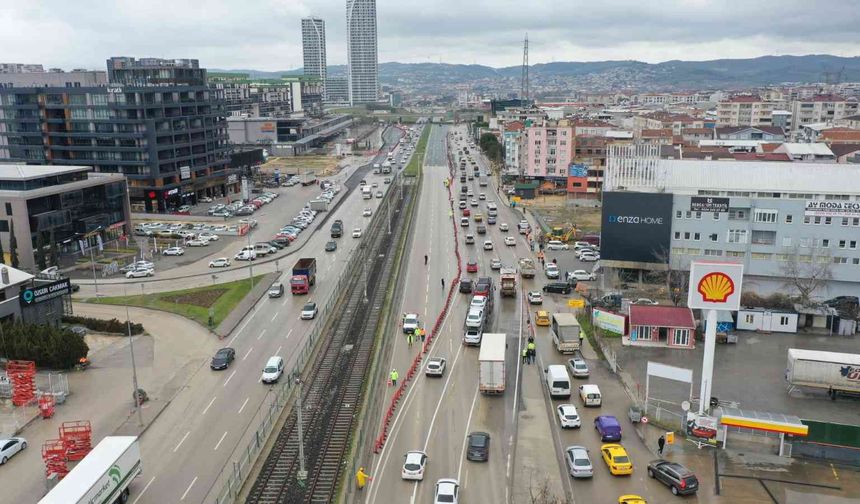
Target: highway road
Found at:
217, 412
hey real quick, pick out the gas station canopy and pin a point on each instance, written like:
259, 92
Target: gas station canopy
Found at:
758, 420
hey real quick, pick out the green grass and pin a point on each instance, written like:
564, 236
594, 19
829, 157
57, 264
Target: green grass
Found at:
222, 298
413, 169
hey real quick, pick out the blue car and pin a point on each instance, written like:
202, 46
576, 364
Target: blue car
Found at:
608, 428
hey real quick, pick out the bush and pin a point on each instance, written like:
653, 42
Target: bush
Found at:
101, 325
47, 346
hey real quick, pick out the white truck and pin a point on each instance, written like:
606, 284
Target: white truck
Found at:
566, 333
366, 192
491, 363
102, 477
386, 167
527, 267
835, 372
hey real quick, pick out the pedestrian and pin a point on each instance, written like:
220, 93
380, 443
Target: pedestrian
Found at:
531, 348
660, 443
443, 284
361, 478
425, 259
410, 337
555, 261
525, 356
393, 377
423, 335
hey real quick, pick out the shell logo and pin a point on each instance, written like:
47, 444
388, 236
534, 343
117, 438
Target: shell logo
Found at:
716, 287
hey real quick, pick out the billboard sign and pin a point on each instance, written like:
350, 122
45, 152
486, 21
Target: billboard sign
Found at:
577, 170
715, 285
609, 321
636, 227
42, 293
708, 204
817, 208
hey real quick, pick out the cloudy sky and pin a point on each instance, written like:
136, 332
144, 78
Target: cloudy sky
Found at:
266, 34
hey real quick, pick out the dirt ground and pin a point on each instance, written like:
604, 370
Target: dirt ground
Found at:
322, 165
561, 210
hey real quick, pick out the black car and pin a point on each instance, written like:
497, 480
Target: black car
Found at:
465, 286
277, 245
558, 287
223, 358
479, 447
331, 246
482, 229
678, 478
283, 242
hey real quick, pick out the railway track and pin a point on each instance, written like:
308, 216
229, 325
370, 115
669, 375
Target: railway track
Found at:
332, 391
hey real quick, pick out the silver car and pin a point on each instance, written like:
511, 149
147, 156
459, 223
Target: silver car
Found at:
578, 367
578, 462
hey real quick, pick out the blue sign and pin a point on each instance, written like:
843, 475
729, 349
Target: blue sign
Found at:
577, 170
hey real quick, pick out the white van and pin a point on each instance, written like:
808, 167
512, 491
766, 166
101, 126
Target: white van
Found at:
273, 370
557, 381
590, 395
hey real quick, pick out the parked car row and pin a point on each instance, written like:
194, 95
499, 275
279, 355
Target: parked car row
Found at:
241, 208
184, 230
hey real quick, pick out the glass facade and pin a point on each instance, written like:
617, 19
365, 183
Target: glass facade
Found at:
72, 214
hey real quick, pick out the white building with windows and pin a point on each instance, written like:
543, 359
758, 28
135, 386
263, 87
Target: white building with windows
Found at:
361, 48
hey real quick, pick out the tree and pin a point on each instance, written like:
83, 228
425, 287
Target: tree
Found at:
676, 278
13, 246
807, 273
491, 147
40, 253
53, 251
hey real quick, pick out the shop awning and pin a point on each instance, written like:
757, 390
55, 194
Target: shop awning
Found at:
763, 421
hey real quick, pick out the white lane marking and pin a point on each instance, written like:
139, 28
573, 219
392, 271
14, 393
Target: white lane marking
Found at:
288, 334
243, 405
274, 316
241, 329
261, 334
248, 353
220, 441
209, 405
230, 377
181, 441
144, 490
519, 356
188, 489
285, 301
278, 351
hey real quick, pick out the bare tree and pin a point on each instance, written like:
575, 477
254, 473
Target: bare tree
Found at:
541, 493
807, 273
676, 277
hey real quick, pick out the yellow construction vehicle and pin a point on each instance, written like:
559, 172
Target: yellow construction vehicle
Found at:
564, 233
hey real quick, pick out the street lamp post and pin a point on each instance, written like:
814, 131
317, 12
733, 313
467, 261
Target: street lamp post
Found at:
135, 395
250, 258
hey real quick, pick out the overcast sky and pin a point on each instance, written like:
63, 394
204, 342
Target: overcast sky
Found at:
266, 34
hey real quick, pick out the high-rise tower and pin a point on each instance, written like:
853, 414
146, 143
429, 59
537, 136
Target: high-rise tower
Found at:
313, 49
361, 48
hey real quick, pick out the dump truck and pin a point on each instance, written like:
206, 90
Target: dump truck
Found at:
491, 363
103, 476
838, 373
566, 333
527, 267
304, 275
508, 281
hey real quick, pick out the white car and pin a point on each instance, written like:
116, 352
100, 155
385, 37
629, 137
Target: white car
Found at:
556, 245
356, 233
413, 465
367, 212
208, 237
410, 322
551, 270
488, 245
478, 302
568, 417
197, 243
140, 273
503, 227
580, 275
482, 196
578, 462
221, 262
245, 255
510, 241
447, 491
435, 366
495, 263
309, 311
474, 202
587, 257
11, 446
581, 245
535, 297
205, 199
173, 251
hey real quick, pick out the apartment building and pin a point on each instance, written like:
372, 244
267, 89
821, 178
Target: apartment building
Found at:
821, 109
313, 50
512, 135
362, 57
548, 149
246, 97
745, 110
156, 121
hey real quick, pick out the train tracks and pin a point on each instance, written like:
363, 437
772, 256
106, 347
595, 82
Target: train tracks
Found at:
333, 388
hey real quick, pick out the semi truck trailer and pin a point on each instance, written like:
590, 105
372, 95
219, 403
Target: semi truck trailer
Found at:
837, 373
491, 363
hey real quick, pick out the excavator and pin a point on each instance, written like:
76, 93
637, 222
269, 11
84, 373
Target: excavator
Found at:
563, 233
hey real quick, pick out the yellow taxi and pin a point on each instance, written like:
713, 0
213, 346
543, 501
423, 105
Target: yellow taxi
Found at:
631, 499
542, 318
479, 217
616, 459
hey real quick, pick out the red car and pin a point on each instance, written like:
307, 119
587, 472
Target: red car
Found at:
466, 212
472, 266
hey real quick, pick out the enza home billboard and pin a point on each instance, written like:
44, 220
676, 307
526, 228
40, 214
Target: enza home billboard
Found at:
636, 226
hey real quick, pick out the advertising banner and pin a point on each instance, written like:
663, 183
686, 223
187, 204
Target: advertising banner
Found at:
609, 321
41, 293
817, 208
708, 204
636, 227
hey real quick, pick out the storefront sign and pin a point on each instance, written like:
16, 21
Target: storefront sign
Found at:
232, 179
816, 208
715, 285
708, 204
39, 294
636, 226
184, 172
171, 192
609, 321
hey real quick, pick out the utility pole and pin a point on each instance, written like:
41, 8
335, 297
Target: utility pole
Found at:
93, 263
137, 398
303, 474
250, 258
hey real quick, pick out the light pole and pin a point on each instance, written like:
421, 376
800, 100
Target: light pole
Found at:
93, 264
250, 257
303, 474
135, 395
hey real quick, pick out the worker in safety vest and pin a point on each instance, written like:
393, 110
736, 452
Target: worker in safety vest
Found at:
531, 348
361, 478
393, 377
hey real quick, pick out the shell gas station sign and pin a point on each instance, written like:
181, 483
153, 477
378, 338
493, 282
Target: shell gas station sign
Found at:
715, 285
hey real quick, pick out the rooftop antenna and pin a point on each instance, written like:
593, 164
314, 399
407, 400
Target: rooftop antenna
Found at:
524, 83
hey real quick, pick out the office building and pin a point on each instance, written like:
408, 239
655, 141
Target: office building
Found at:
156, 121
337, 90
246, 97
362, 62
783, 221
313, 49
285, 136
72, 206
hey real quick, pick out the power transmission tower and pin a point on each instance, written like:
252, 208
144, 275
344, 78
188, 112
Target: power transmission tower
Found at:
524, 83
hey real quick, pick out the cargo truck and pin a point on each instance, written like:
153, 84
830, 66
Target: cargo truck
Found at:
366, 192
838, 373
304, 275
527, 267
386, 167
508, 282
565, 332
307, 178
103, 476
319, 205
491, 363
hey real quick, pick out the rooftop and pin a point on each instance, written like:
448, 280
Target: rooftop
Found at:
805, 149
9, 171
728, 130
744, 99
662, 316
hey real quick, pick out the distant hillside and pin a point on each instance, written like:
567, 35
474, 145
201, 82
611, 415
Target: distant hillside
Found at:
723, 73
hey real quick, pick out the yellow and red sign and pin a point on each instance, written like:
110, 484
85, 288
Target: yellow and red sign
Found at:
715, 285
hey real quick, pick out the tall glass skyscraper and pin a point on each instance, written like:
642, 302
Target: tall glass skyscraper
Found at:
362, 51
313, 49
